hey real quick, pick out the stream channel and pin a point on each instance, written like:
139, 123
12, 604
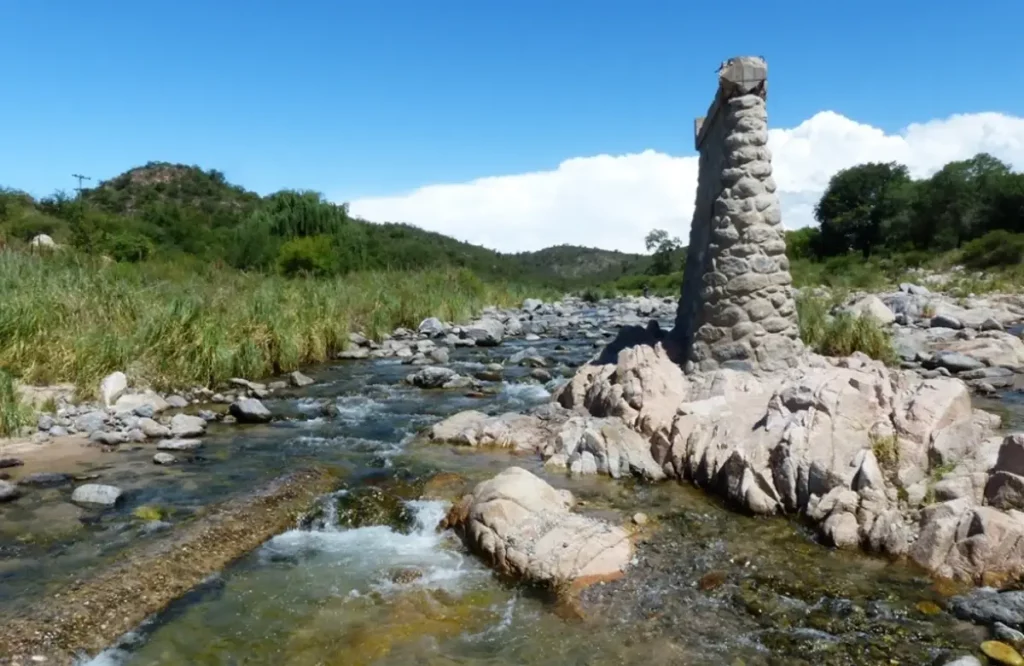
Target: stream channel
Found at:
708, 586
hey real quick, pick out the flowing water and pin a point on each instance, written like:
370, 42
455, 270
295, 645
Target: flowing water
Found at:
708, 586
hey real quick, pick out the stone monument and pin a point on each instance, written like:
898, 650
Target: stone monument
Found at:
737, 308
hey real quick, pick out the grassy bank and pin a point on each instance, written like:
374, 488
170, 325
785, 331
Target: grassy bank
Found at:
68, 317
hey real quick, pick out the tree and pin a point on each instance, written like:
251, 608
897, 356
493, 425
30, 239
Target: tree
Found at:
864, 206
663, 249
955, 204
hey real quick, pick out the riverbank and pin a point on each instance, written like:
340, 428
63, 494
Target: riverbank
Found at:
67, 317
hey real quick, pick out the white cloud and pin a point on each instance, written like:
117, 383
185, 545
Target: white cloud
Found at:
613, 201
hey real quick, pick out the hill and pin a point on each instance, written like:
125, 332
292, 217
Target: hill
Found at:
164, 209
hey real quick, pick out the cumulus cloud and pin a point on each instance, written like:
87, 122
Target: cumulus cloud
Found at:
613, 201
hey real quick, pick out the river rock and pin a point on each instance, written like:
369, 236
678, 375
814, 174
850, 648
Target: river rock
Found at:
186, 425
1002, 653
8, 491
431, 377
112, 386
179, 444
532, 304
146, 404
164, 458
354, 353
873, 306
44, 422
249, 410
300, 380
90, 422
587, 445
945, 321
45, 480
153, 430
108, 438
176, 401
956, 362
485, 332
432, 327
96, 494
522, 432
987, 606
524, 528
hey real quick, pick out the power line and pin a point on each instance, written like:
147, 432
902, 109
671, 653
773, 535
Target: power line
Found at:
80, 178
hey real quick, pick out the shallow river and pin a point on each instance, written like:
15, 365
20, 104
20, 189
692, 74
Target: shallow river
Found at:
708, 586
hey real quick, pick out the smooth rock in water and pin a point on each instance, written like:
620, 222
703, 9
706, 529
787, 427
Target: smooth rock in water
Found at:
299, 380
531, 337
540, 374
1002, 653
431, 377
186, 425
987, 606
354, 354
176, 401
96, 493
112, 386
432, 327
277, 385
9, 491
90, 422
11, 462
154, 430
164, 458
438, 355
956, 362
108, 438
45, 480
249, 410
486, 332
945, 321
179, 445
523, 528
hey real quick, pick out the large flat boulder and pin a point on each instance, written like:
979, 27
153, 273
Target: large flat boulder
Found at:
524, 528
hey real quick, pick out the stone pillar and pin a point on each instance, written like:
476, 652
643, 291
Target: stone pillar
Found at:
737, 307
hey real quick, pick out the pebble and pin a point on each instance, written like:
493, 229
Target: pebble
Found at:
640, 518
164, 458
1002, 653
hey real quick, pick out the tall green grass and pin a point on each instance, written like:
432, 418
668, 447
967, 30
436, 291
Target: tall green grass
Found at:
69, 317
13, 413
843, 334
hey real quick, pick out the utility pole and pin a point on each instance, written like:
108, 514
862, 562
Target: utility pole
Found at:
81, 202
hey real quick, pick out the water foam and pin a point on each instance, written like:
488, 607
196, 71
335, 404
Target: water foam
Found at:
370, 553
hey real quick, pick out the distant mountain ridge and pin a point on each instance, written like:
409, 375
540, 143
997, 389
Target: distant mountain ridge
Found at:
208, 192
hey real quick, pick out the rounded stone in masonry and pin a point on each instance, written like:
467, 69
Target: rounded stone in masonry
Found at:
773, 247
747, 218
733, 266
750, 282
727, 316
747, 123
737, 139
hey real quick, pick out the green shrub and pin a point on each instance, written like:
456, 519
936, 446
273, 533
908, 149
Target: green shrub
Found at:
996, 248
307, 255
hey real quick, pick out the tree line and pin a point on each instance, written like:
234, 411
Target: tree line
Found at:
975, 206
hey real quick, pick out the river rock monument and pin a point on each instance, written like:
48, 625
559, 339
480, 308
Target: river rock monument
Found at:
737, 308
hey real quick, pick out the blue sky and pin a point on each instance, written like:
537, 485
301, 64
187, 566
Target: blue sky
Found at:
366, 99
